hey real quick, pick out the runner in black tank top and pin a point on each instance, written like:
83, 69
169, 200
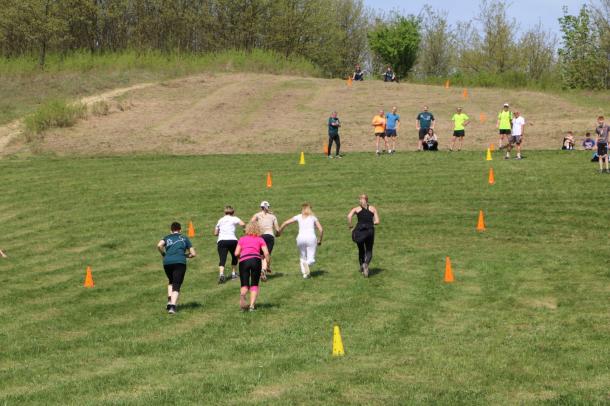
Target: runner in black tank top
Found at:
364, 233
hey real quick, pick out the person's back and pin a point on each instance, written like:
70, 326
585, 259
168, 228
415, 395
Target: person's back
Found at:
176, 246
267, 222
307, 226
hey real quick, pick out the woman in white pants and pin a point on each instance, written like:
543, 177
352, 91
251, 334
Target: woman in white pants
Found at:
307, 242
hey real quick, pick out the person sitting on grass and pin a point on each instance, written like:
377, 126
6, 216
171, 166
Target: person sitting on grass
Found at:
358, 74
430, 142
389, 75
568, 141
3, 255
589, 143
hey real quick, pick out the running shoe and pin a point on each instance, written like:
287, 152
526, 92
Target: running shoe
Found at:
378, 153
221, 279
506, 157
361, 268
518, 157
234, 275
365, 270
306, 276
168, 306
172, 309
330, 157
338, 156
252, 308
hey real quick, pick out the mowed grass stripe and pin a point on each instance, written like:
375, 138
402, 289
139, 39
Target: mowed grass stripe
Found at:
526, 320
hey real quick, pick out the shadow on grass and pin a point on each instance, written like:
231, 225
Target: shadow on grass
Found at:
274, 275
267, 305
319, 272
189, 306
375, 271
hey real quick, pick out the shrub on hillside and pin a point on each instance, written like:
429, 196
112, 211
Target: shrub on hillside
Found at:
54, 113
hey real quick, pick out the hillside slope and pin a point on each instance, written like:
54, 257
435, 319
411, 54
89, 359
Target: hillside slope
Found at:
237, 113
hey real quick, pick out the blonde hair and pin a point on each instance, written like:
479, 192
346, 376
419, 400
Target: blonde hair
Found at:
365, 196
306, 209
252, 228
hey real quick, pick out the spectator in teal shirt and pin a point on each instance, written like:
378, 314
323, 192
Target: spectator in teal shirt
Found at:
333, 134
175, 248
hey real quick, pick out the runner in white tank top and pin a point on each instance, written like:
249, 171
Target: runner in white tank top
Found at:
307, 242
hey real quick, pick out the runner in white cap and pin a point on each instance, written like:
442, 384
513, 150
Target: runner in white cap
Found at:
269, 228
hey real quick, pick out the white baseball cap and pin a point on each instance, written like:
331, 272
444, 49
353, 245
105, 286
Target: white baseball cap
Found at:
506, 105
265, 204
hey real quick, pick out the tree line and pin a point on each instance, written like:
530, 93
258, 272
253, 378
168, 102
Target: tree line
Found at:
489, 49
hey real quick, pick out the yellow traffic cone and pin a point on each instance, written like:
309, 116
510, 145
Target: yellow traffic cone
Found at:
488, 158
337, 343
302, 160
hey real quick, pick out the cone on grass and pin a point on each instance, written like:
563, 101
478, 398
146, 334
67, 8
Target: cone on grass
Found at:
349, 82
465, 94
191, 231
337, 343
481, 222
325, 149
492, 147
482, 117
492, 178
89, 279
302, 160
488, 157
448, 271
269, 181
447, 84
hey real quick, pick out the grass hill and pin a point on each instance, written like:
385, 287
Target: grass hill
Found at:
525, 322
260, 113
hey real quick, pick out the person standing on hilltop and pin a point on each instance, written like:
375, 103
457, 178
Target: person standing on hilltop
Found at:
378, 124
602, 132
518, 132
460, 121
504, 125
358, 74
333, 134
392, 125
424, 122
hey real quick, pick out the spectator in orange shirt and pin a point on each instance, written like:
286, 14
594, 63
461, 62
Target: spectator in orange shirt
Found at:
379, 124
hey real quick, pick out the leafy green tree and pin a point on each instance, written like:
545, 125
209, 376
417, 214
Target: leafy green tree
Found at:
396, 43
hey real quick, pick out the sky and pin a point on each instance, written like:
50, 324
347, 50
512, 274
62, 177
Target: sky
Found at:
526, 12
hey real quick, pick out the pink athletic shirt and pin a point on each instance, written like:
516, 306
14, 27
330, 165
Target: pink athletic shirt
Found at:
250, 247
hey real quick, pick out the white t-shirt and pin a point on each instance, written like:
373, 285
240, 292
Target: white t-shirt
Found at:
518, 124
307, 227
226, 227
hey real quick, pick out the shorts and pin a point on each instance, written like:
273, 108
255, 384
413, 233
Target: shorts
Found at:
382, 135
391, 133
250, 272
175, 275
459, 133
602, 149
270, 241
422, 133
506, 131
515, 139
224, 248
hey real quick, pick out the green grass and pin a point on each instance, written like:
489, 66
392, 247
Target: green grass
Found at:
53, 114
526, 321
23, 86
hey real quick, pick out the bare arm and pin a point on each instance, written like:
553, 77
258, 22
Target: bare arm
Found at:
349, 217
192, 253
466, 123
265, 254
238, 250
161, 247
3, 255
286, 223
375, 215
432, 125
320, 232
417, 124
216, 231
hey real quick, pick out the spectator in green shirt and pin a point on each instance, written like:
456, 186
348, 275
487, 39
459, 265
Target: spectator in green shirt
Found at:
175, 248
505, 125
333, 134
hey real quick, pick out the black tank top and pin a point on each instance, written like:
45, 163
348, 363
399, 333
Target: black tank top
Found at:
365, 218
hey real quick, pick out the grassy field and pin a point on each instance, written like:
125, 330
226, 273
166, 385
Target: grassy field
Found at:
526, 321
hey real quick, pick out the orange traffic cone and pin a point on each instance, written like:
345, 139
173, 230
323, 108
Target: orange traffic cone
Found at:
465, 94
448, 271
481, 222
89, 279
269, 181
482, 117
349, 81
447, 84
191, 230
492, 179
325, 149
492, 147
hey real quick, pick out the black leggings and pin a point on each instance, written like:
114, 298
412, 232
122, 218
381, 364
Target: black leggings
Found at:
270, 241
337, 141
175, 275
250, 272
365, 247
224, 248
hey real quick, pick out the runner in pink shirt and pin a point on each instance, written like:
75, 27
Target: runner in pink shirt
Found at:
249, 249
